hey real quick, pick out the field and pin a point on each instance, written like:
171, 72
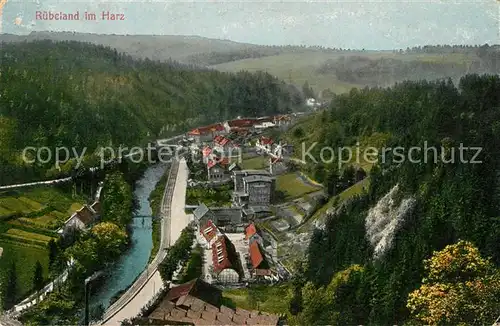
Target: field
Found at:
354, 190
263, 298
215, 197
25, 257
301, 66
292, 186
255, 163
28, 221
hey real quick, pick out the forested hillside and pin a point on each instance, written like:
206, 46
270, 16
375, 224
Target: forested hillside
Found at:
436, 62
364, 263
81, 95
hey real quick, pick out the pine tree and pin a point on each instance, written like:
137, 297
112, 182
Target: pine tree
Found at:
38, 277
53, 253
10, 287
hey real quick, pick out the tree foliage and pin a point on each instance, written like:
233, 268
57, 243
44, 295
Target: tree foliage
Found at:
9, 286
38, 276
454, 201
89, 96
177, 255
460, 287
117, 200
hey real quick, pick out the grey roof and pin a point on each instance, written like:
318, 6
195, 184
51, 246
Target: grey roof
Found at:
257, 209
200, 211
261, 208
233, 167
227, 212
252, 172
255, 178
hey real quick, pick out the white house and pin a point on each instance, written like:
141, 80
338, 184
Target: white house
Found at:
81, 219
264, 143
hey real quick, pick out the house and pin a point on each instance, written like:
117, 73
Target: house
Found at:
251, 234
217, 168
228, 215
96, 209
252, 188
311, 102
265, 144
210, 232
282, 121
81, 220
203, 214
257, 258
224, 145
206, 153
255, 212
257, 191
199, 303
207, 133
239, 124
226, 261
238, 176
277, 165
220, 216
264, 123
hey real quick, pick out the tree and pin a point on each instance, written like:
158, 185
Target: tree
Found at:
460, 288
307, 90
110, 240
10, 287
298, 133
38, 276
117, 199
55, 262
332, 181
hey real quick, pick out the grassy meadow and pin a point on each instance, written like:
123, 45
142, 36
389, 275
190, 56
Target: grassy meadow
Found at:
29, 219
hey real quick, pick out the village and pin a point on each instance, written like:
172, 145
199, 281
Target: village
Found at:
236, 250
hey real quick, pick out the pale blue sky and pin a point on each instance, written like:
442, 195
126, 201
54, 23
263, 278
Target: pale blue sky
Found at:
348, 24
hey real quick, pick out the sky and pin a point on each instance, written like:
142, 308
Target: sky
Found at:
357, 24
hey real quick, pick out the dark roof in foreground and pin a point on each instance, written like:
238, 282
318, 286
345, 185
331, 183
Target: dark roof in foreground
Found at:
186, 304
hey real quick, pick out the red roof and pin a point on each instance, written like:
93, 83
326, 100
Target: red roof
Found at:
263, 272
207, 129
217, 160
265, 119
181, 290
220, 255
211, 164
266, 140
242, 123
250, 231
281, 117
223, 161
85, 215
275, 160
221, 140
209, 231
207, 151
240, 130
255, 255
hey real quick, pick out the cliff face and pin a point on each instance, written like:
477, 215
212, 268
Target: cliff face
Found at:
384, 219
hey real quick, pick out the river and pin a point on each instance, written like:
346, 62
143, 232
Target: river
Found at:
136, 258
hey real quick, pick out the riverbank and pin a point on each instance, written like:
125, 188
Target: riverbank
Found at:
155, 200
135, 260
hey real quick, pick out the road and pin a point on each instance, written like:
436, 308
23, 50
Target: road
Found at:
174, 221
179, 218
